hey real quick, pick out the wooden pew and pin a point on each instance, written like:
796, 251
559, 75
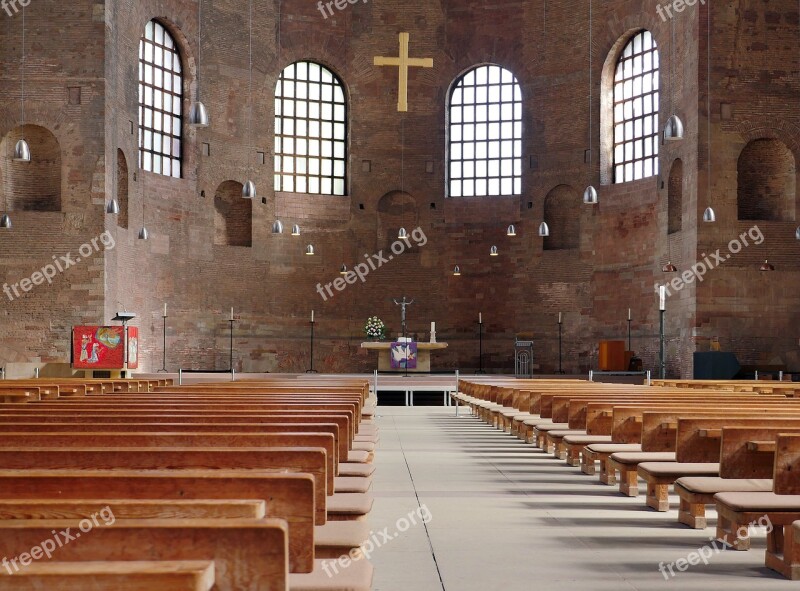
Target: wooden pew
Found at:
134, 509
743, 468
132, 575
781, 508
247, 553
698, 452
290, 497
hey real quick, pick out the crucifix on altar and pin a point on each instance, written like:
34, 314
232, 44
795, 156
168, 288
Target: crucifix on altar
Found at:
403, 303
403, 62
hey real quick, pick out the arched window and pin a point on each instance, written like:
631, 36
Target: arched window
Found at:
160, 102
310, 131
636, 95
485, 134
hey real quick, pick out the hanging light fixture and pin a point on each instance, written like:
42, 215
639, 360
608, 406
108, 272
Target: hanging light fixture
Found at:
144, 234
22, 151
310, 250
512, 231
709, 216
113, 206
673, 130
277, 227
249, 188
797, 233
295, 230
402, 234
456, 271
590, 193
544, 230
767, 266
493, 251
343, 270
5, 221
198, 115
669, 268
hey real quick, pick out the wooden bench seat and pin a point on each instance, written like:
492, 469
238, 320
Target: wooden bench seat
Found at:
290, 497
260, 544
781, 508
131, 575
696, 492
134, 508
278, 460
699, 453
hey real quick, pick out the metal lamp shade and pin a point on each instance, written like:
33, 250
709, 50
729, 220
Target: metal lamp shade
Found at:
5, 221
144, 234
673, 130
277, 227
709, 216
198, 115
590, 196
22, 151
249, 190
544, 230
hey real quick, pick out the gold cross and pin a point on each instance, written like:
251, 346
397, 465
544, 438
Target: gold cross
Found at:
403, 62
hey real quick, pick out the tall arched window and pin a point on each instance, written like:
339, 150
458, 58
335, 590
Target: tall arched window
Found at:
636, 110
485, 134
310, 131
160, 102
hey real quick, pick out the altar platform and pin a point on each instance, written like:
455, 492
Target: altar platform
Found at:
423, 355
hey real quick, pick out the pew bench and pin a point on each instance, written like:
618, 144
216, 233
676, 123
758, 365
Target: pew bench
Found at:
247, 553
131, 575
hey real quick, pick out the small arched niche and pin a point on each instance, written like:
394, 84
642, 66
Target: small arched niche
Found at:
562, 212
122, 189
396, 209
233, 216
675, 197
34, 185
766, 181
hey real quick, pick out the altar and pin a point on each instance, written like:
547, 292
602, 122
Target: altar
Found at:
423, 355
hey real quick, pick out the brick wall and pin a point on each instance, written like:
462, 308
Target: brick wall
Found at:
619, 248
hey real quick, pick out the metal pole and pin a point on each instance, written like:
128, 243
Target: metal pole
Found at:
629, 334
231, 356
164, 351
312, 370
560, 371
480, 348
662, 356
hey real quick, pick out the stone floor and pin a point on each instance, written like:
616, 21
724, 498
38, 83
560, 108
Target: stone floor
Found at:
465, 507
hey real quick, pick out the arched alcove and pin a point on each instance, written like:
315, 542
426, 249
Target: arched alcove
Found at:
34, 185
396, 210
122, 189
675, 197
233, 216
562, 212
766, 181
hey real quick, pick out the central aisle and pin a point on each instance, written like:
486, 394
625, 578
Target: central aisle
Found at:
501, 515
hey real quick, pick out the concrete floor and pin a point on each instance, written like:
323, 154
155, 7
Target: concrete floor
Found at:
502, 515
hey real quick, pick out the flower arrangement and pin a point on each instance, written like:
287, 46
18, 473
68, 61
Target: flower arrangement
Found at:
375, 328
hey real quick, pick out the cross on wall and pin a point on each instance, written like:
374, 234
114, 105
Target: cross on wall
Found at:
403, 62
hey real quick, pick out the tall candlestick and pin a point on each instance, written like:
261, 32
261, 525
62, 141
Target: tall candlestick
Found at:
231, 313
165, 310
559, 317
629, 313
480, 318
312, 315
662, 297
433, 327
